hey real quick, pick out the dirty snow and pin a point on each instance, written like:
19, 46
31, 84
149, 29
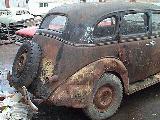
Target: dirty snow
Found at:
9, 96
5, 88
6, 93
10, 106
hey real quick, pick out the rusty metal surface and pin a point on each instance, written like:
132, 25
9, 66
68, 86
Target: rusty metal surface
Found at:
80, 85
86, 64
141, 58
76, 90
144, 84
62, 60
134, 106
104, 97
55, 72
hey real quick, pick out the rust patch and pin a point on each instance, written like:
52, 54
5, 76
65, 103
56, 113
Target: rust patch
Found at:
47, 70
78, 88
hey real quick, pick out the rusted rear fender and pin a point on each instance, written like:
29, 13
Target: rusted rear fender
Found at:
77, 89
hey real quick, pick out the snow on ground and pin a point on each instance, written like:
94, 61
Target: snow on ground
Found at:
8, 95
10, 107
5, 88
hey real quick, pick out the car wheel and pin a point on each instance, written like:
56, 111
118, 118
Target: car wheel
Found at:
26, 64
106, 97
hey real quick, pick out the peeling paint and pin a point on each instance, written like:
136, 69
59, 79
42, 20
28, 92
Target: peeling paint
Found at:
47, 70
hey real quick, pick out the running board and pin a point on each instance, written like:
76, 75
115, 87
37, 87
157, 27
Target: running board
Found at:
144, 83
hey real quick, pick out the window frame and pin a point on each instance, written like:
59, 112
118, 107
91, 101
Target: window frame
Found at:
107, 38
136, 34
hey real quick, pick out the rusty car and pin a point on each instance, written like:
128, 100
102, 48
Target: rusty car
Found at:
88, 55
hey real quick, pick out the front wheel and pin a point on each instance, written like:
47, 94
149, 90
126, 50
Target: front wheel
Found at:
106, 97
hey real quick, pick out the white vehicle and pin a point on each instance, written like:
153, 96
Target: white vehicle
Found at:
13, 15
13, 19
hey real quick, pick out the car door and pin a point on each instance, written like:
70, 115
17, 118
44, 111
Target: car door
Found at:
136, 47
105, 34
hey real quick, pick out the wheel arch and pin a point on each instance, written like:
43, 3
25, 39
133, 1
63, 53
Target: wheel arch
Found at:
78, 88
121, 79
116, 67
96, 69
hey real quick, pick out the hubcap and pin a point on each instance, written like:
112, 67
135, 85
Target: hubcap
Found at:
21, 63
104, 97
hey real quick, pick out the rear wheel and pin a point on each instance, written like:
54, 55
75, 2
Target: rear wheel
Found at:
106, 97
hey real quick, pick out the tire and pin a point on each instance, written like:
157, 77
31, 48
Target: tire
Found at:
26, 64
110, 85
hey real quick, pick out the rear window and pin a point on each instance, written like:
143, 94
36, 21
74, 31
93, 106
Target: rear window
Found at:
54, 22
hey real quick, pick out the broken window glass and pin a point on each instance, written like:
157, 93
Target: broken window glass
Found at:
155, 23
134, 23
105, 28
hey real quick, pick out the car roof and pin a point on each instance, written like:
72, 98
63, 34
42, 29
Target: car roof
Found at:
87, 12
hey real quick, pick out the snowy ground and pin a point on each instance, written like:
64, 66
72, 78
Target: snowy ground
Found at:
7, 54
9, 97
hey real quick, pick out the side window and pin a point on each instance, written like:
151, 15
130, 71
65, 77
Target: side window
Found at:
155, 22
105, 28
134, 23
54, 22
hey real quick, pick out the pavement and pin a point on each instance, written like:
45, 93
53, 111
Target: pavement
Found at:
143, 105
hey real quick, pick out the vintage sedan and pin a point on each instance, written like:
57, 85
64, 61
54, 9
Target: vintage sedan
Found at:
89, 55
